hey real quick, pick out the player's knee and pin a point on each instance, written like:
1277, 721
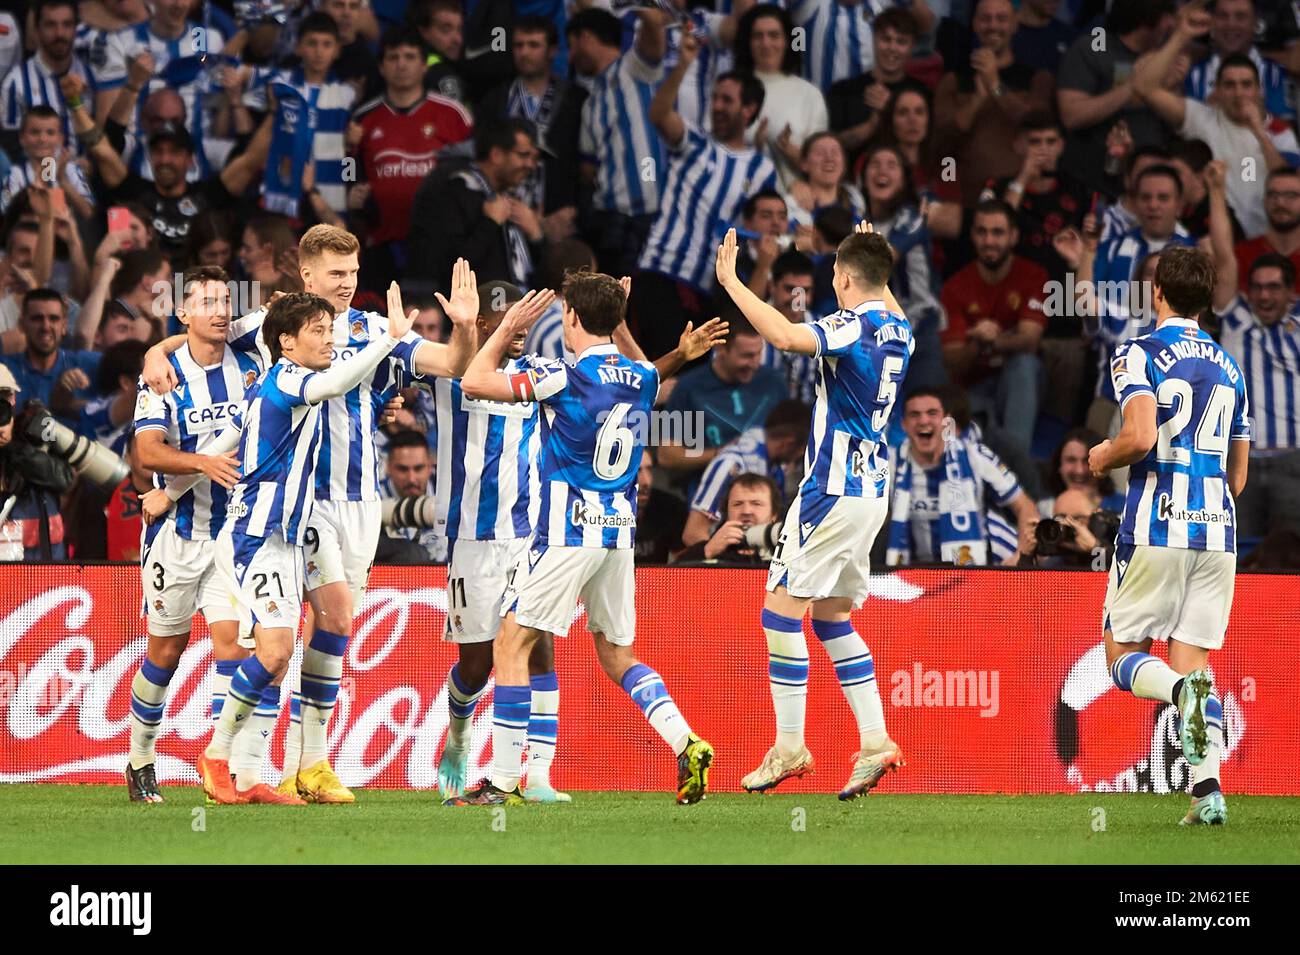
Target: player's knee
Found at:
475, 664
166, 653
542, 658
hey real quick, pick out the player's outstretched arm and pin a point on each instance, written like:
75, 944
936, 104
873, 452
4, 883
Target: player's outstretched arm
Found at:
767, 321
343, 376
694, 343
157, 455
1137, 436
484, 378
452, 359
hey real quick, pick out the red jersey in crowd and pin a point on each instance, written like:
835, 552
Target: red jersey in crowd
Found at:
1250, 250
398, 149
968, 300
124, 523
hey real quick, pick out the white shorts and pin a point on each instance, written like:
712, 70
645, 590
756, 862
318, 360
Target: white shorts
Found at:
825, 547
1164, 593
551, 580
179, 577
340, 544
477, 578
265, 574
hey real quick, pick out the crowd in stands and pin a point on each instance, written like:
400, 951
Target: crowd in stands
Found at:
1028, 161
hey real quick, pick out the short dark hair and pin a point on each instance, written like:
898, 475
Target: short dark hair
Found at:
751, 202
1274, 260
603, 25
1194, 152
497, 290
318, 22
44, 294
196, 275
750, 479
834, 223
421, 13
738, 325
560, 258
532, 23
1185, 277
925, 391
995, 207
1143, 152
123, 360
752, 90
1136, 14
113, 309
1282, 171
288, 315
500, 134
136, 264
1164, 169
1237, 60
402, 34
40, 112
1037, 120
898, 20
407, 438
44, 5
792, 262
790, 416
597, 298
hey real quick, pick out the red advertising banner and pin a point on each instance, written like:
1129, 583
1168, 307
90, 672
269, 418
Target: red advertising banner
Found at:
993, 681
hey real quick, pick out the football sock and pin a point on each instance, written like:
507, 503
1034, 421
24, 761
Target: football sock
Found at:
148, 700
293, 737
461, 701
510, 709
646, 687
787, 675
1145, 676
1205, 777
250, 745
225, 669
543, 721
246, 688
322, 669
856, 671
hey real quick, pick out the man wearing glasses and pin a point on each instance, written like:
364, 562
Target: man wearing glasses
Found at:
1282, 207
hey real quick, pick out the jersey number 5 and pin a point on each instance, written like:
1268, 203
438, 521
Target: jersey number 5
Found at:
889, 370
1212, 432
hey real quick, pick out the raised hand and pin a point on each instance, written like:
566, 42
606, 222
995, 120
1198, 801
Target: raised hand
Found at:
462, 307
698, 341
1216, 173
863, 227
725, 267
521, 315
399, 322
1069, 245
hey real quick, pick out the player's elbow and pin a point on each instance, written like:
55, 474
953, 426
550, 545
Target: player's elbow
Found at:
477, 384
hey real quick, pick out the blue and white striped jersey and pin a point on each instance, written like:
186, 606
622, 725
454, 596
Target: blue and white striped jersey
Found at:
706, 186
23, 175
207, 400
1114, 277
32, 83
1269, 357
713, 60
800, 372
1279, 94
1178, 494
1115, 221
746, 454
594, 417
838, 41
619, 139
864, 354
310, 127
486, 479
277, 454
348, 468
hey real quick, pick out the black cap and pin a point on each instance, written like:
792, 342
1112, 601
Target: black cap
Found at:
174, 133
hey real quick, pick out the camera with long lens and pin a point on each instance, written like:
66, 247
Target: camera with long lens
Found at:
1051, 534
763, 538
417, 512
88, 458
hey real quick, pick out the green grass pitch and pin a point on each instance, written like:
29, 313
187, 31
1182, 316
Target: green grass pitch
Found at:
96, 824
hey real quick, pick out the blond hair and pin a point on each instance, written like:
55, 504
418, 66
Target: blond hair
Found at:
320, 239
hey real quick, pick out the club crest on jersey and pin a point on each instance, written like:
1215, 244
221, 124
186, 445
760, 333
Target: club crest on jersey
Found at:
272, 608
142, 402
250, 378
312, 569
427, 130
358, 331
158, 605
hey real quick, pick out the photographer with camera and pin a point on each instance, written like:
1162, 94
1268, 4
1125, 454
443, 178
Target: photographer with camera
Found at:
31, 481
408, 485
1078, 535
45, 363
749, 534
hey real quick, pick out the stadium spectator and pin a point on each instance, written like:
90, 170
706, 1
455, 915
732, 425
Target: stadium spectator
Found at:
44, 363
979, 106
408, 472
765, 221
792, 108
907, 127
945, 485
469, 210
822, 181
1095, 91
622, 157
768, 450
1282, 209
1189, 157
142, 285
995, 322
1068, 471
34, 479
268, 255
659, 517
554, 106
719, 171
356, 63
1261, 331
1233, 25
753, 505
35, 81
17, 277
839, 34
1041, 38
730, 394
791, 293
441, 24
45, 161
106, 416
1237, 128
856, 105
396, 141
211, 241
